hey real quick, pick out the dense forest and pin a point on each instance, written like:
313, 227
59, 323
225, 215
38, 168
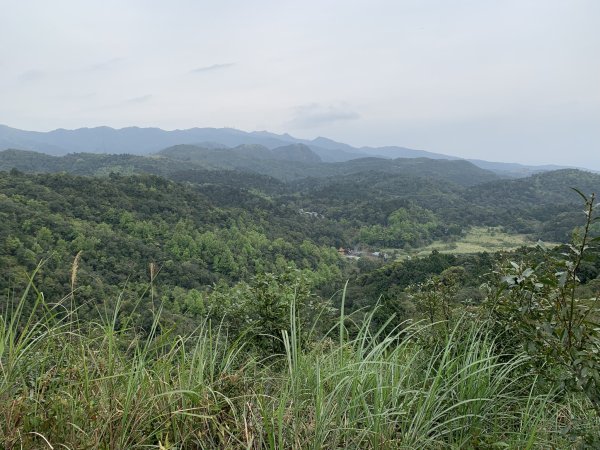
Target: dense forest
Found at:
261, 298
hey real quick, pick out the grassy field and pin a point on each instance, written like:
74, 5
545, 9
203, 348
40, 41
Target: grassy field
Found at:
477, 239
71, 384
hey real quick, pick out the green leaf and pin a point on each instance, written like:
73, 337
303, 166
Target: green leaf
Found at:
583, 196
510, 280
562, 278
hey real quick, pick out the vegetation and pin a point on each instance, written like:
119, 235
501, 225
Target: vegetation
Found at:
104, 385
153, 302
478, 240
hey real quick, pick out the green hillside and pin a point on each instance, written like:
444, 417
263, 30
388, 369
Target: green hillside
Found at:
230, 306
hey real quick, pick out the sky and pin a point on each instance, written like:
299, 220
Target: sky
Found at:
511, 80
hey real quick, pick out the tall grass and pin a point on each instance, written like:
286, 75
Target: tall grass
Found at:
65, 383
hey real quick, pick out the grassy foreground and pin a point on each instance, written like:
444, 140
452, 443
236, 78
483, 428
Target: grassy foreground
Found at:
81, 385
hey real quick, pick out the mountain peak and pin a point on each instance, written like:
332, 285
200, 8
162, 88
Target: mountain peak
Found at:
144, 141
297, 152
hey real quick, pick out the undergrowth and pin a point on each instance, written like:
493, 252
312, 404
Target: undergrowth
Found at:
66, 383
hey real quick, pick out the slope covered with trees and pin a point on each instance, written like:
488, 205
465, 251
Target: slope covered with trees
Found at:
181, 305
122, 225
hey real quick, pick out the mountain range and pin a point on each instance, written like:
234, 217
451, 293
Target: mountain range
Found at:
289, 163
146, 141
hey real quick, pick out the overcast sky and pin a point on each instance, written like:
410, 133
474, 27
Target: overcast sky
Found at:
511, 80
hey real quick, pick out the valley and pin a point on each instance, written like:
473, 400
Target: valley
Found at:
262, 255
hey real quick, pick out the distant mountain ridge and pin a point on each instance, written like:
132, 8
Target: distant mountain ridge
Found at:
144, 141
286, 163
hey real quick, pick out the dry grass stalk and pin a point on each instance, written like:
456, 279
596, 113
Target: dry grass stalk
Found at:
74, 269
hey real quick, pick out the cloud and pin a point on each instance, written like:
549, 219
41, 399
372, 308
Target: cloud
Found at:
31, 75
315, 115
140, 99
211, 68
104, 64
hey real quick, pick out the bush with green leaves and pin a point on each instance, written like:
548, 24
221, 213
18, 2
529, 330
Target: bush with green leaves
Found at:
258, 310
535, 307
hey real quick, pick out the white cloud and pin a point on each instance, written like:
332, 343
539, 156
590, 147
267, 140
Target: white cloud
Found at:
140, 99
212, 67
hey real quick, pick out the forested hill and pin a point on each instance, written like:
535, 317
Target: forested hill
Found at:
208, 230
298, 162
438, 199
458, 172
123, 224
141, 255
540, 189
543, 206
91, 164
287, 163
241, 154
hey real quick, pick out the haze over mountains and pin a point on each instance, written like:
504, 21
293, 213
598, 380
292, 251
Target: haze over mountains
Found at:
257, 145
286, 164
